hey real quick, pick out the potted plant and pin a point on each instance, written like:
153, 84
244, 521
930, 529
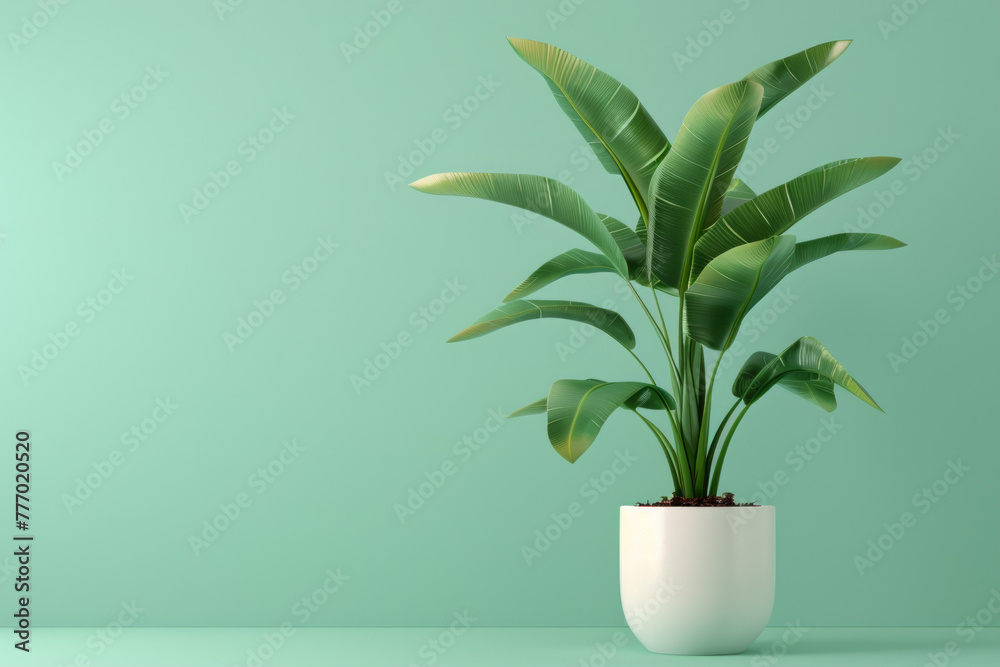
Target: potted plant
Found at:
714, 247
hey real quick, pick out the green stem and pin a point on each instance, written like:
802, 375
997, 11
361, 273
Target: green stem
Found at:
701, 462
718, 434
639, 361
660, 334
687, 486
674, 425
715, 369
681, 343
667, 450
670, 415
666, 339
681, 456
714, 488
691, 403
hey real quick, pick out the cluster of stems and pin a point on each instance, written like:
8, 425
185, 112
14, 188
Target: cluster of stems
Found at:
695, 459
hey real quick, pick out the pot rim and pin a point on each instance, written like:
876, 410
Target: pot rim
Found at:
660, 507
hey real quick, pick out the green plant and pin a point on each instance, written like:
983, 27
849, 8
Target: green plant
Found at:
703, 237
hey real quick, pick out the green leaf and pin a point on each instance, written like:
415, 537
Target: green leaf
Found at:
639, 273
566, 264
784, 76
577, 410
691, 182
737, 194
628, 242
537, 194
607, 321
607, 114
537, 408
809, 356
773, 212
736, 280
643, 280
651, 398
810, 386
730, 285
810, 251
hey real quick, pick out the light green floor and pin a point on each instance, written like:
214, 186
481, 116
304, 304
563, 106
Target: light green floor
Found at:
488, 647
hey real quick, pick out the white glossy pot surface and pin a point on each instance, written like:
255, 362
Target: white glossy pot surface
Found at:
697, 580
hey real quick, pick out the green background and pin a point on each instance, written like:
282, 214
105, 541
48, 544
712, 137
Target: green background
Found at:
334, 507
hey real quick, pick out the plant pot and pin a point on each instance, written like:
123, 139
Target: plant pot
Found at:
697, 580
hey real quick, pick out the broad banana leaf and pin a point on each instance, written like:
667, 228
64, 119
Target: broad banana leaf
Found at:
607, 321
737, 194
643, 280
691, 182
652, 398
804, 355
537, 408
566, 264
715, 305
736, 280
607, 114
810, 251
784, 76
641, 276
577, 409
537, 194
810, 386
628, 242
773, 212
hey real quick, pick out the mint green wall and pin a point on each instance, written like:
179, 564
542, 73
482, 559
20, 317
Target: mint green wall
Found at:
384, 264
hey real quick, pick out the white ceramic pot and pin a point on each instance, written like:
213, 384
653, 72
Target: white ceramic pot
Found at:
697, 580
